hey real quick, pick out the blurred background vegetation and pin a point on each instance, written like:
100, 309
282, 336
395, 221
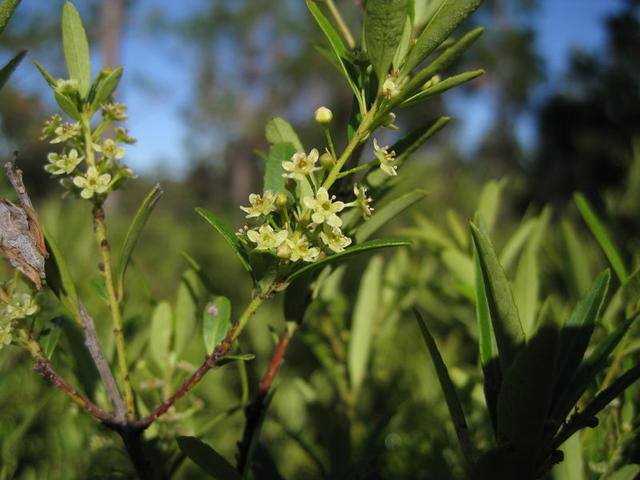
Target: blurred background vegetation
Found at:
234, 65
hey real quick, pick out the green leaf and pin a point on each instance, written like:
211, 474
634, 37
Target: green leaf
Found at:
208, 459
67, 105
442, 86
444, 21
526, 394
186, 312
46, 75
572, 467
50, 336
565, 400
363, 321
405, 147
489, 202
577, 330
579, 270
459, 264
229, 237
383, 215
76, 48
445, 59
338, 48
59, 279
297, 298
7, 8
133, 234
504, 313
105, 88
235, 358
384, 22
449, 391
199, 271
516, 242
483, 316
278, 130
11, 65
403, 47
99, 288
216, 322
631, 294
349, 252
628, 472
160, 334
273, 179
599, 231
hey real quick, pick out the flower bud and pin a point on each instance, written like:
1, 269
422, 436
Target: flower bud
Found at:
281, 201
431, 82
326, 160
389, 88
323, 116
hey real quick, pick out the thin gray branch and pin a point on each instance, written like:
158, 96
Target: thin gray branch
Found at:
93, 345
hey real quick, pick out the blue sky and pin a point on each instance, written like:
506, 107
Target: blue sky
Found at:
158, 76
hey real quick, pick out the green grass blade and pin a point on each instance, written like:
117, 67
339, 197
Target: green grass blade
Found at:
603, 238
449, 391
133, 234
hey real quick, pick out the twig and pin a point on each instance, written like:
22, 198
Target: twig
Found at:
93, 345
209, 362
277, 360
15, 177
100, 230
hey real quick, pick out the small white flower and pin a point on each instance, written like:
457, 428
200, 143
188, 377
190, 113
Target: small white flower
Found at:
110, 149
260, 205
265, 238
299, 248
301, 165
324, 208
390, 89
65, 163
116, 111
362, 201
66, 131
334, 239
22, 305
92, 182
386, 159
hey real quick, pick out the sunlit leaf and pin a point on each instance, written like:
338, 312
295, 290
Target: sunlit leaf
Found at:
11, 65
273, 179
442, 86
384, 22
386, 213
106, 87
160, 334
216, 322
7, 7
76, 48
278, 130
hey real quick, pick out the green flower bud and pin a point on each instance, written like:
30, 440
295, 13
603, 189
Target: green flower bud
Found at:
323, 116
326, 160
281, 201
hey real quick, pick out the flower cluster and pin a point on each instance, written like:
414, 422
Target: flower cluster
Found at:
18, 306
88, 165
303, 223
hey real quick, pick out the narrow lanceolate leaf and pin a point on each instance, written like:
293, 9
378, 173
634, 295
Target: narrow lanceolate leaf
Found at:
67, 105
160, 334
338, 48
444, 21
504, 313
7, 7
489, 202
228, 235
631, 294
76, 48
384, 22
403, 46
46, 75
445, 59
443, 86
278, 130
273, 171
207, 459
216, 322
565, 400
576, 255
106, 88
364, 317
187, 313
449, 391
406, 146
11, 65
349, 252
59, 278
387, 213
526, 392
133, 234
577, 330
600, 232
